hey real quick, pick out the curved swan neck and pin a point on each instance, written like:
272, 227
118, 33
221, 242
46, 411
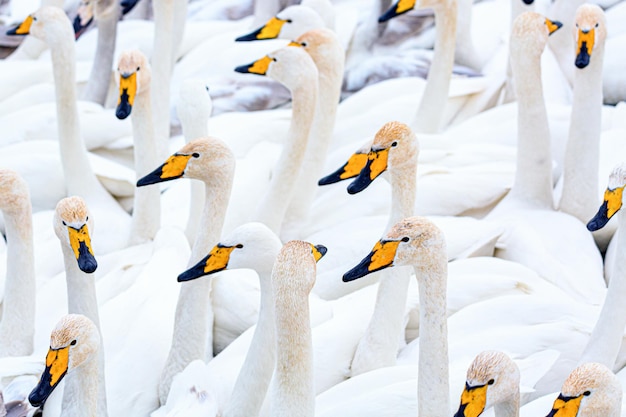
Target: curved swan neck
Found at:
80, 395
582, 153
272, 208
433, 104
256, 373
146, 216
606, 337
533, 175
507, 408
432, 383
17, 327
97, 86
403, 192
563, 46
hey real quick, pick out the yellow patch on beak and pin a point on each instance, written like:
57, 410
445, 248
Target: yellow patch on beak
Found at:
261, 66
405, 5
383, 254
553, 26
294, 43
128, 86
218, 258
175, 166
566, 406
613, 200
78, 236
588, 38
318, 252
474, 399
379, 162
57, 360
272, 29
24, 27
354, 165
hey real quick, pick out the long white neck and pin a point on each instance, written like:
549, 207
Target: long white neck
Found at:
272, 208
193, 324
80, 395
292, 392
465, 52
256, 373
606, 337
379, 345
517, 7
433, 104
146, 217
507, 408
330, 70
17, 327
81, 299
533, 176
582, 154
563, 46
432, 382
98, 84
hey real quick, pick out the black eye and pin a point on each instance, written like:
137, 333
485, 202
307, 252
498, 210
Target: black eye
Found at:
304, 44
274, 59
64, 224
597, 24
394, 143
138, 68
405, 239
239, 246
34, 19
587, 393
195, 155
288, 20
576, 24
73, 342
491, 381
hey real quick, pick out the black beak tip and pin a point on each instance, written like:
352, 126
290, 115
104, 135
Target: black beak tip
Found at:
38, 396
242, 68
13, 31
350, 276
187, 276
321, 249
246, 38
123, 111
558, 24
528, 2
581, 62
88, 266
389, 14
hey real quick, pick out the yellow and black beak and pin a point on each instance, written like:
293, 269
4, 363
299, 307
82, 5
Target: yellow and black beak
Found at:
270, 30
318, 251
81, 245
376, 165
584, 47
380, 257
566, 406
215, 261
401, 7
611, 205
80, 28
57, 363
350, 169
128, 90
172, 169
473, 401
23, 28
260, 66
553, 26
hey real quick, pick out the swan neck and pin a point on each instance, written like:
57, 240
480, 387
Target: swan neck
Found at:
433, 386
606, 337
403, 192
582, 153
432, 107
508, 408
80, 395
97, 86
81, 289
17, 327
533, 175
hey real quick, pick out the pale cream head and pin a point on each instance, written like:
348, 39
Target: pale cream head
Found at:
71, 212
598, 387
529, 34
401, 142
135, 62
14, 194
51, 25
590, 20
295, 268
419, 240
292, 67
78, 332
497, 371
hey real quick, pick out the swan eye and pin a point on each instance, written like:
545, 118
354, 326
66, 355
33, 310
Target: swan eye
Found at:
395, 143
195, 155
587, 393
597, 24
576, 24
87, 218
274, 59
138, 68
405, 239
239, 246
491, 381
34, 19
64, 224
288, 20
73, 342
304, 44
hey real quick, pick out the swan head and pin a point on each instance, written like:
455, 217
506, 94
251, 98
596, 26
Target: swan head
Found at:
49, 24
14, 194
84, 17
589, 33
529, 34
290, 66
251, 245
72, 224
412, 241
207, 159
612, 199
324, 47
134, 78
74, 341
492, 378
287, 24
194, 99
295, 268
399, 7
394, 147
592, 389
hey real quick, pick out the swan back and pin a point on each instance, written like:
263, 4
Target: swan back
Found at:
590, 390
